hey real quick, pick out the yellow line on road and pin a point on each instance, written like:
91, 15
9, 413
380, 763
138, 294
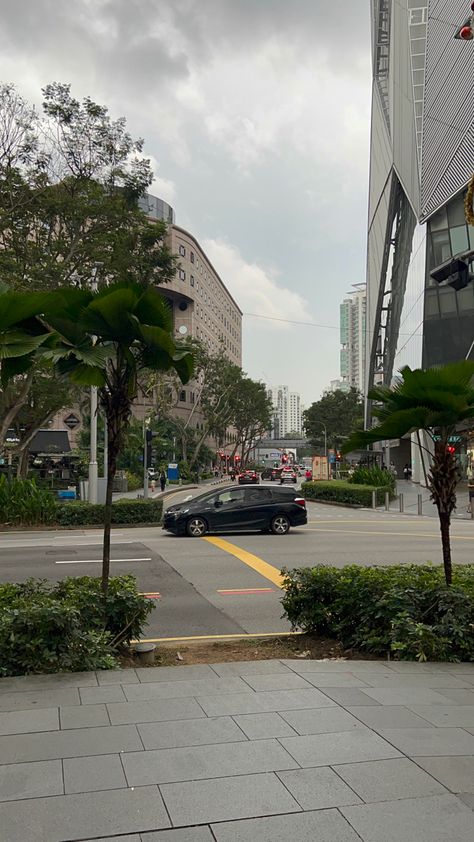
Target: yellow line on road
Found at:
398, 534
241, 636
258, 564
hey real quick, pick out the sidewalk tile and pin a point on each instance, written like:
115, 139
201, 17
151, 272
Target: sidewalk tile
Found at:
89, 774
330, 749
390, 716
190, 732
133, 838
39, 699
182, 834
98, 695
261, 726
187, 764
251, 702
347, 696
321, 721
467, 798
406, 696
279, 681
29, 721
451, 716
432, 681
456, 773
224, 799
320, 826
54, 681
317, 789
437, 818
430, 742
125, 676
161, 710
87, 815
460, 697
335, 679
79, 742
30, 780
250, 668
387, 780
356, 667
83, 716
185, 672
182, 689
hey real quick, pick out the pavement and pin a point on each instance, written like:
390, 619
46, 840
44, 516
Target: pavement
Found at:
263, 751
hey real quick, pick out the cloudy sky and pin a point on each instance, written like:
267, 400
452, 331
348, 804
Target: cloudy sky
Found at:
255, 114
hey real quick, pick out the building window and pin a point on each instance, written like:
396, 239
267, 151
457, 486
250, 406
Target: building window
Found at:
192, 280
192, 257
182, 251
191, 397
182, 395
182, 275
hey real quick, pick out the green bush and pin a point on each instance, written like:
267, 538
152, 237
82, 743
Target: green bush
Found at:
48, 627
405, 609
123, 511
22, 503
375, 476
340, 491
134, 482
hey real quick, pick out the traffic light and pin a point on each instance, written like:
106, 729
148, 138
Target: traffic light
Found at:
451, 449
284, 457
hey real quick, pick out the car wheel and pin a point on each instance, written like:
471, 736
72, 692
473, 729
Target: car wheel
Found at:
195, 527
280, 525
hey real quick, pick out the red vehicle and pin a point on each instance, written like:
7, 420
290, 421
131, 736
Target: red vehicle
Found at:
248, 478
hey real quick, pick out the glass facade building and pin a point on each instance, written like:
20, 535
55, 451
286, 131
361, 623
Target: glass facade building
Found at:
421, 159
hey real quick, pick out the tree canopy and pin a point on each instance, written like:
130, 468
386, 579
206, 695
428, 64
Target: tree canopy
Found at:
340, 412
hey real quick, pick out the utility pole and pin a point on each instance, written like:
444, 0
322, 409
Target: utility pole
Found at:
93, 468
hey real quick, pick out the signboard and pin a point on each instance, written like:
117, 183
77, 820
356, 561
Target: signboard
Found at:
320, 468
173, 470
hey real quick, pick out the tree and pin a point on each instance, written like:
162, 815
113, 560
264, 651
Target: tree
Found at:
251, 413
435, 400
340, 412
104, 339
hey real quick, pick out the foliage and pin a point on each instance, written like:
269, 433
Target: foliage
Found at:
340, 412
251, 413
124, 511
134, 482
406, 609
23, 503
435, 401
374, 476
46, 627
346, 493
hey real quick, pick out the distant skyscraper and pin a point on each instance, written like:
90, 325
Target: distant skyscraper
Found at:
287, 411
352, 336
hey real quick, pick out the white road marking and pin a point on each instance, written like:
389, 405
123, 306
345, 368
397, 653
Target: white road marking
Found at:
15, 545
99, 560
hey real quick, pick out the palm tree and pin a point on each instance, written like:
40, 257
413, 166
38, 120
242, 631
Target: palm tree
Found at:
436, 401
104, 339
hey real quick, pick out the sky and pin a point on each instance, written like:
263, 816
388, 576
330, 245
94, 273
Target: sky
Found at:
255, 115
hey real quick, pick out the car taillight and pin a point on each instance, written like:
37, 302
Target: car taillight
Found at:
301, 501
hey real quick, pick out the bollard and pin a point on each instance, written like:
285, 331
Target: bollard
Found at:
400, 500
374, 499
420, 504
145, 653
387, 501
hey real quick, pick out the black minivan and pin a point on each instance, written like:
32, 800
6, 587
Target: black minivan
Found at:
262, 508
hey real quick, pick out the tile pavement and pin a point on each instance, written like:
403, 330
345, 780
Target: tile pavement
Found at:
265, 751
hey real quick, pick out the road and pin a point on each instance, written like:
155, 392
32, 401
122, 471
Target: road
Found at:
230, 584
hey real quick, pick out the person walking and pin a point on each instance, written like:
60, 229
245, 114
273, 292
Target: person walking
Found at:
470, 487
162, 480
406, 471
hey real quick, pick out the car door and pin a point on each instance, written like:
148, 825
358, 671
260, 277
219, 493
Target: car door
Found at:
257, 506
228, 509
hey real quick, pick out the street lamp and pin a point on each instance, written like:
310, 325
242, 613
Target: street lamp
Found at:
93, 468
325, 447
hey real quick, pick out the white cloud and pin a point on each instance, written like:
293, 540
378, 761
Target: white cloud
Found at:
254, 288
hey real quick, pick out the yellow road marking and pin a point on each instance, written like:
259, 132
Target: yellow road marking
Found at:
241, 636
398, 534
258, 564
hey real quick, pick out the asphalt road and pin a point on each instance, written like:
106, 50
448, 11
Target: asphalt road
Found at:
230, 584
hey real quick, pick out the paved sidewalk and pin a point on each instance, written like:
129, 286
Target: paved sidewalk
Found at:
267, 751
411, 490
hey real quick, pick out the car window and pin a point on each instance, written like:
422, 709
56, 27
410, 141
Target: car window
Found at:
257, 495
231, 495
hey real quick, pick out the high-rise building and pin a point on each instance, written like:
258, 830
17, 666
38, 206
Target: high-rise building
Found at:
421, 158
352, 337
287, 411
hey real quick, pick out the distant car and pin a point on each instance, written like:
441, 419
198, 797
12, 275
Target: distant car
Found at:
266, 473
248, 478
275, 474
229, 509
288, 475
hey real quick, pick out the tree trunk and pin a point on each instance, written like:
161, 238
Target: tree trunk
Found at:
22, 467
442, 481
12, 411
114, 430
444, 523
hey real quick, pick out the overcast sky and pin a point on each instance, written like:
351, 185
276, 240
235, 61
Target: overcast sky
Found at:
255, 114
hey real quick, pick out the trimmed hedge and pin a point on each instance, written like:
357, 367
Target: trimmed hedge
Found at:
48, 627
406, 610
123, 511
340, 491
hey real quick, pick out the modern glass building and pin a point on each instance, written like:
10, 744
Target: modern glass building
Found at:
421, 158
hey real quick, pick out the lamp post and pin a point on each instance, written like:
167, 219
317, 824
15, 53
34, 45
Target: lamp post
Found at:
93, 468
325, 448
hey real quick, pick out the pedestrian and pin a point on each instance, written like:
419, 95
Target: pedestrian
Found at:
406, 471
470, 487
162, 480
393, 469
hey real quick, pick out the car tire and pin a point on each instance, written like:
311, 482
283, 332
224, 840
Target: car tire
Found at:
196, 527
280, 525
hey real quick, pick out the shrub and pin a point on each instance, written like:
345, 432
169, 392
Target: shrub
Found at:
47, 627
375, 476
405, 609
134, 482
123, 511
23, 503
340, 491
